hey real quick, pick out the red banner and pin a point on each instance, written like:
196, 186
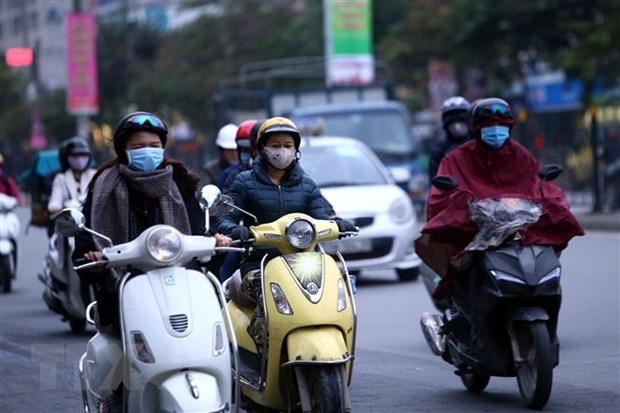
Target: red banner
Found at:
82, 89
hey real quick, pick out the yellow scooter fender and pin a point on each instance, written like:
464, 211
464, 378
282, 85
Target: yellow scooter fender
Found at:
324, 345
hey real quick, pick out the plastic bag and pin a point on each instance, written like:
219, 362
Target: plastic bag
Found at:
499, 219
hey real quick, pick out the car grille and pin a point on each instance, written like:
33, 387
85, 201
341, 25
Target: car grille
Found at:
380, 247
362, 222
179, 322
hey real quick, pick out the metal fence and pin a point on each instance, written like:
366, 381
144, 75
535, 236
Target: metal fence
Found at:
587, 146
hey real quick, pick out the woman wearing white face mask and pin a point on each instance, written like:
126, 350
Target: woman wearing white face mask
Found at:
275, 186
71, 184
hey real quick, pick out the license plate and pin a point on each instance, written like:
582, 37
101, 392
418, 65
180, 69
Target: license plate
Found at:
352, 245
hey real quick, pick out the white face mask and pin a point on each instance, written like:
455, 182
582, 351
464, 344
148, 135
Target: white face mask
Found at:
79, 162
458, 129
280, 158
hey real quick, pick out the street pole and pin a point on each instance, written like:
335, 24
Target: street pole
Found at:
596, 187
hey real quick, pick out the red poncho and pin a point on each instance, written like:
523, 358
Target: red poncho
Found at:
510, 171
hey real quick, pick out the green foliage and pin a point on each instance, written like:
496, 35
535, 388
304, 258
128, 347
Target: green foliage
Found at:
178, 73
14, 114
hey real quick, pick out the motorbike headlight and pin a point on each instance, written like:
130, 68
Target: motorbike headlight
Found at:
164, 244
280, 300
342, 297
141, 346
300, 234
553, 274
401, 211
219, 342
507, 277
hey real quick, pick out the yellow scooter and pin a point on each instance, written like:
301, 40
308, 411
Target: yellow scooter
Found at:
310, 321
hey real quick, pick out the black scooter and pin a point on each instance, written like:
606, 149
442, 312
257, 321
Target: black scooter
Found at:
503, 313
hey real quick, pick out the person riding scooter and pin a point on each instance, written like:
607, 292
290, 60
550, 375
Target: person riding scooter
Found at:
454, 119
64, 292
274, 187
72, 182
489, 166
132, 192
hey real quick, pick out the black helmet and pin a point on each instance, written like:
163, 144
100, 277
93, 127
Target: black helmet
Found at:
454, 108
72, 146
491, 110
138, 121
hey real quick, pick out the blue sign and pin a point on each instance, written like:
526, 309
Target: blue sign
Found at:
553, 92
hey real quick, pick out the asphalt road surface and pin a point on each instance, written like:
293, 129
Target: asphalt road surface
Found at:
394, 370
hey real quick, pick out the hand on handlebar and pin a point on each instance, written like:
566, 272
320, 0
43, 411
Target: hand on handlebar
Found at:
240, 233
222, 240
94, 256
346, 227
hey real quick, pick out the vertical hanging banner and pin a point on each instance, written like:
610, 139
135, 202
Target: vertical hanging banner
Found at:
82, 88
348, 42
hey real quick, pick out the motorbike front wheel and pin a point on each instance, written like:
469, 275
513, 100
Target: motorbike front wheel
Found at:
77, 325
6, 273
533, 363
326, 391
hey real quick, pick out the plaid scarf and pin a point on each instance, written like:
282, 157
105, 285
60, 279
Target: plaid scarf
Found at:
110, 206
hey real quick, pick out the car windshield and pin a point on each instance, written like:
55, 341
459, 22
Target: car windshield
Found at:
385, 132
332, 166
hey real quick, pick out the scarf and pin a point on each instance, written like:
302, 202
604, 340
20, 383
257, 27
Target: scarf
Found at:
110, 206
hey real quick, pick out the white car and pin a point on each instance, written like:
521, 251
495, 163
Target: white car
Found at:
361, 189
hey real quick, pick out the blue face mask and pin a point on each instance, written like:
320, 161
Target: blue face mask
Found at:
145, 159
495, 136
245, 158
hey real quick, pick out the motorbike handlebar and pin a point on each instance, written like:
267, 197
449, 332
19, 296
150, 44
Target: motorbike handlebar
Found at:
349, 233
89, 265
231, 248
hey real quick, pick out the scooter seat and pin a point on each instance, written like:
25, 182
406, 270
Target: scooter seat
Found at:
238, 296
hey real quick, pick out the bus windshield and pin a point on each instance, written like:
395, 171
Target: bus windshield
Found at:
386, 132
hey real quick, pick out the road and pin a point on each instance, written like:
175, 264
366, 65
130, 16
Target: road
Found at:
394, 369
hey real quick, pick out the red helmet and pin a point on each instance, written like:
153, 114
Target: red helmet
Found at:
245, 137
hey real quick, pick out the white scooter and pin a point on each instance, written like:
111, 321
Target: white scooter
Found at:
177, 351
9, 229
64, 292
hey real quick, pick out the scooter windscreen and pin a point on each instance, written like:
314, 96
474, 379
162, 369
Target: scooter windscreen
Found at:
499, 219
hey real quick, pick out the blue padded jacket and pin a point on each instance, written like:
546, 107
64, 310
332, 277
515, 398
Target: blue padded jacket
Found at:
254, 192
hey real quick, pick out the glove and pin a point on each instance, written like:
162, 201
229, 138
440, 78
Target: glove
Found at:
346, 226
241, 233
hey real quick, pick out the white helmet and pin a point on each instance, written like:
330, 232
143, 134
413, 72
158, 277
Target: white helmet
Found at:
226, 137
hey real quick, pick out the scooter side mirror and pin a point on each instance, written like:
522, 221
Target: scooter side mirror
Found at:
445, 182
208, 196
550, 172
69, 222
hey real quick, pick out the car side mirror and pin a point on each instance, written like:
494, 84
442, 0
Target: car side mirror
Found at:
550, 172
69, 222
445, 182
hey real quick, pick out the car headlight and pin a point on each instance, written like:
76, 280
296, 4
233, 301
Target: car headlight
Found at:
164, 244
401, 211
300, 233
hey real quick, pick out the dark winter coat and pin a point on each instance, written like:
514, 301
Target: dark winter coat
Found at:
254, 192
